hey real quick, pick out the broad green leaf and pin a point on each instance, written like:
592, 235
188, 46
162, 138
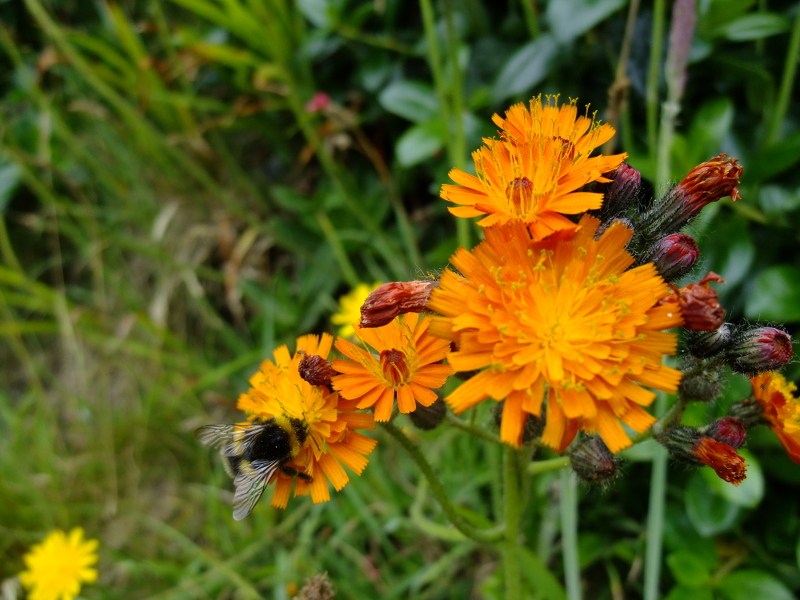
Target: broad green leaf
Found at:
570, 18
682, 592
774, 295
755, 26
688, 569
751, 584
709, 513
526, 68
748, 493
419, 143
412, 100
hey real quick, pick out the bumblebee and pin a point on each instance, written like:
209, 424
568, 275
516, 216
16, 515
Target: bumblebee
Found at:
254, 452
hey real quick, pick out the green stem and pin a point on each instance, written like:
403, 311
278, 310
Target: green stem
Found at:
787, 82
479, 535
654, 72
552, 464
512, 515
569, 534
655, 515
531, 18
472, 429
335, 243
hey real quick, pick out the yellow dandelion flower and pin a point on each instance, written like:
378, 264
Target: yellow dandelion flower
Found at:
59, 565
781, 409
406, 366
350, 308
532, 173
332, 440
560, 318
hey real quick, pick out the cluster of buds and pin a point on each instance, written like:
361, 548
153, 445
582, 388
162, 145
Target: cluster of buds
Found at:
714, 445
747, 349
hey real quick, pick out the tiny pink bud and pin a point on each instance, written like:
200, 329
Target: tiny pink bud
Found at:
318, 102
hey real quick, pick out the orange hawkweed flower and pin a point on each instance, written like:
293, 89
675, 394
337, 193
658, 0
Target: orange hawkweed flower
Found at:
781, 409
727, 463
532, 173
332, 441
560, 318
405, 367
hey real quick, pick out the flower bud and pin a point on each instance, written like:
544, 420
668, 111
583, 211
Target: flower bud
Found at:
749, 412
757, 349
534, 425
673, 255
428, 417
593, 462
699, 304
701, 385
689, 445
706, 183
316, 370
726, 462
728, 430
707, 344
393, 299
621, 192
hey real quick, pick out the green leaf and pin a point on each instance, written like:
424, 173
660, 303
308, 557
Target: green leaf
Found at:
540, 577
688, 569
755, 26
774, 295
9, 180
749, 493
412, 100
526, 68
748, 584
420, 142
774, 160
709, 513
682, 592
570, 18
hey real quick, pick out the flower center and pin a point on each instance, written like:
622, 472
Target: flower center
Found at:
520, 195
394, 366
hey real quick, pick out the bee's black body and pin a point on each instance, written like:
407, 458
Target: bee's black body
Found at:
253, 453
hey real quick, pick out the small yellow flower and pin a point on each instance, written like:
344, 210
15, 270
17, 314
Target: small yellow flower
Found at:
350, 308
58, 566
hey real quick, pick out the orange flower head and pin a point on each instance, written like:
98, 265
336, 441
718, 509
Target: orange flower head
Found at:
533, 172
561, 318
406, 366
781, 409
332, 441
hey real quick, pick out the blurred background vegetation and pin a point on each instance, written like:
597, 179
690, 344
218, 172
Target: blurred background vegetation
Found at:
186, 184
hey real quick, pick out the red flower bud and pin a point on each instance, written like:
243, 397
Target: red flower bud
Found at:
699, 304
706, 183
759, 349
316, 370
674, 255
393, 299
726, 462
727, 430
621, 192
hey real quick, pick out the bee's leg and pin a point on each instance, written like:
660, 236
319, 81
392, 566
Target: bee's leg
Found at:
292, 472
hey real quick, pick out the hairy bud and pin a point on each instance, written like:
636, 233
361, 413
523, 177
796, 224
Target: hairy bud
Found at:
621, 192
757, 349
728, 430
707, 344
428, 417
593, 462
689, 445
393, 299
673, 255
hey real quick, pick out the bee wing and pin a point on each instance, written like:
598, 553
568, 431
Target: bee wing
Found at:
250, 486
216, 436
